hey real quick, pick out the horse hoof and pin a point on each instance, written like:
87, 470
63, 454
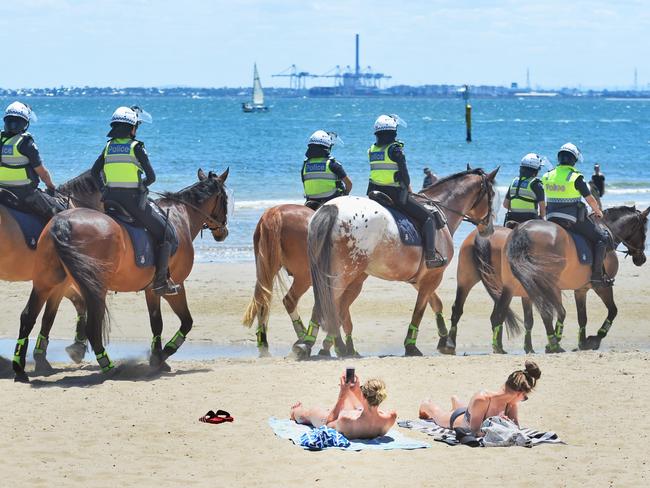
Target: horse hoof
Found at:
301, 350
325, 353
412, 350
263, 352
449, 351
42, 366
164, 367
498, 350
21, 377
76, 351
593, 343
554, 349
529, 350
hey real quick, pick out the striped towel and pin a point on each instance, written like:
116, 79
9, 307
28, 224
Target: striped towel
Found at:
448, 436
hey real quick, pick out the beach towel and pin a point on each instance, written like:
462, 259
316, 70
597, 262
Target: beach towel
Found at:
322, 437
288, 429
448, 436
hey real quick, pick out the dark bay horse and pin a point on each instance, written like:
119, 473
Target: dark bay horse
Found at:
351, 238
91, 251
17, 264
540, 260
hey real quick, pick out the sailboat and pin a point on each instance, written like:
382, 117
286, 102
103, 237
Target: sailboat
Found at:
257, 104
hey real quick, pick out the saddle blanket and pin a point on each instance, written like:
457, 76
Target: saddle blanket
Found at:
30, 225
583, 248
408, 232
143, 244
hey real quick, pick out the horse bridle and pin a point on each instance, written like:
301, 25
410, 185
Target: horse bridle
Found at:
217, 226
631, 250
466, 218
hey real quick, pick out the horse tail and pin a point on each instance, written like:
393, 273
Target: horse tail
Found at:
483, 261
531, 269
319, 245
87, 272
268, 261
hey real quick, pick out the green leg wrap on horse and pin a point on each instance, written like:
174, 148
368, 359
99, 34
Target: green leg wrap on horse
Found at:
411, 335
604, 329
496, 335
21, 351
104, 361
329, 342
311, 333
176, 341
442, 327
41, 345
156, 343
300, 329
559, 329
261, 336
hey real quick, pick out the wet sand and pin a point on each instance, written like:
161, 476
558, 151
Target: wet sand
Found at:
75, 429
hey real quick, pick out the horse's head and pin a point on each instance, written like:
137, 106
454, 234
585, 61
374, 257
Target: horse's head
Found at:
482, 213
218, 218
629, 226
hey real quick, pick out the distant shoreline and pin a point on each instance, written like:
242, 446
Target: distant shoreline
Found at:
424, 91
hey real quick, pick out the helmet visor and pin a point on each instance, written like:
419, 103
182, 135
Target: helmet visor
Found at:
400, 121
335, 139
143, 116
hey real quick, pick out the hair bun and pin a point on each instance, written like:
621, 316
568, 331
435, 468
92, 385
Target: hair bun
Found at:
533, 370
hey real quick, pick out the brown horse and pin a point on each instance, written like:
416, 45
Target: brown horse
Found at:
17, 264
92, 251
541, 260
280, 241
351, 238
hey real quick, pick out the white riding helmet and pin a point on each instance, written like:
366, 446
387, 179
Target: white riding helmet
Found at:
386, 122
321, 138
19, 109
571, 149
532, 160
131, 116
125, 115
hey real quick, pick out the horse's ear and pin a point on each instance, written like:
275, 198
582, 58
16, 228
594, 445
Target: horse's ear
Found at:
224, 175
493, 174
469, 167
202, 176
645, 212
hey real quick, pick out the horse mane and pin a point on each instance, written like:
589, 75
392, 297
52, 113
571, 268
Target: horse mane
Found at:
455, 176
83, 184
617, 212
198, 193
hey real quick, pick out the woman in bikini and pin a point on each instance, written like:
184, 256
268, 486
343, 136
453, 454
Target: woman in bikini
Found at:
355, 415
483, 404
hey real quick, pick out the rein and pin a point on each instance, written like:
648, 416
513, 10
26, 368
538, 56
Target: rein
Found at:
217, 226
630, 248
466, 218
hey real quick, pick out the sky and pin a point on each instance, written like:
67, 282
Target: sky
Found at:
215, 43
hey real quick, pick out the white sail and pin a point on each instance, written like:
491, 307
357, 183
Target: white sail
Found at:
258, 94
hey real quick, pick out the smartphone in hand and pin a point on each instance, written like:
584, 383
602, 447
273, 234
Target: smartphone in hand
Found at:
349, 375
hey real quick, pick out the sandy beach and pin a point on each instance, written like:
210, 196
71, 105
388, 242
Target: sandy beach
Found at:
74, 429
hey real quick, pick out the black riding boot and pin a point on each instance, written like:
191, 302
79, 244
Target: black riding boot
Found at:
162, 284
431, 258
598, 279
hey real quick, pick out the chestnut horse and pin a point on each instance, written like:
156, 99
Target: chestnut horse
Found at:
351, 238
92, 251
17, 264
541, 260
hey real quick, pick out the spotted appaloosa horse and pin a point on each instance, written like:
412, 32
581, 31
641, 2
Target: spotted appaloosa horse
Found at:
351, 238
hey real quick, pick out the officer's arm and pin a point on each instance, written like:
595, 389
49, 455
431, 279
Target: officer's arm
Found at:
506, 203
582, 187
337, 169
96, 170
542, 209
29, 149
348, 185
540, 196
143, 159
396, 154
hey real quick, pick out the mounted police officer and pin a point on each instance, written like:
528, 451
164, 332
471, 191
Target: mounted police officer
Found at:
389, 175
21, 168
564, 187
323, 177
525, 198
123, 162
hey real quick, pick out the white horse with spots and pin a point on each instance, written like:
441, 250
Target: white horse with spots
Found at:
351, 238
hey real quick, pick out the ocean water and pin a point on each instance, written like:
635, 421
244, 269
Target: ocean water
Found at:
264, 151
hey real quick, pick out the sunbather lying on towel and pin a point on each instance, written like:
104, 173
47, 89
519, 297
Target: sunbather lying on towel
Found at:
486, 404
355, 415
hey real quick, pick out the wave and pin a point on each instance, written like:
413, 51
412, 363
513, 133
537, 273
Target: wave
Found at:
261, 204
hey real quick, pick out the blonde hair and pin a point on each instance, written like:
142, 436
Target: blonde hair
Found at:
524, 380
374, 391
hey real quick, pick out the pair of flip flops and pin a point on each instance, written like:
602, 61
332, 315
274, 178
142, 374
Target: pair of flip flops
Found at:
218, 417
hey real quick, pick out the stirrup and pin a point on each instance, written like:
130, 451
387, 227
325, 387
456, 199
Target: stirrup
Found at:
602, 281
167, 288
436, 261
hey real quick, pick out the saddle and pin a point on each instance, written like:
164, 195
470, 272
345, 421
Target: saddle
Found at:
409, 230
30, 225
141, 238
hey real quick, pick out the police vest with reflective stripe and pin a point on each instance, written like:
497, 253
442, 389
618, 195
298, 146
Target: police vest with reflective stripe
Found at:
522, 197
562, 197
318, 179
14, 164
382, 168
121, 167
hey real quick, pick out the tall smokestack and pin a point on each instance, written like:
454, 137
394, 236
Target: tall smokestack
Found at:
356, 69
